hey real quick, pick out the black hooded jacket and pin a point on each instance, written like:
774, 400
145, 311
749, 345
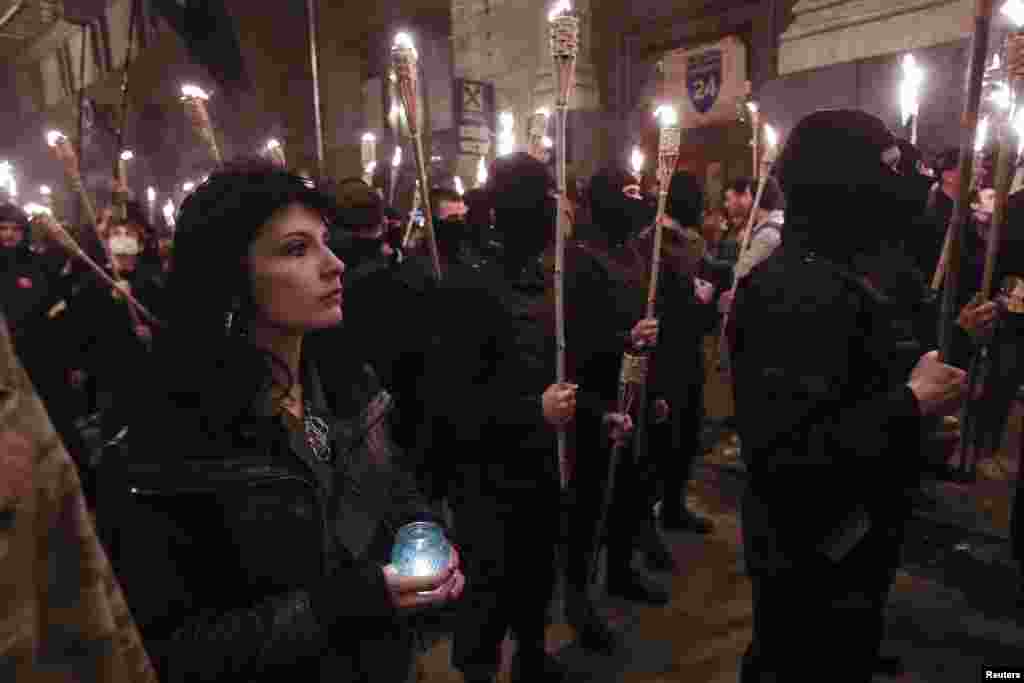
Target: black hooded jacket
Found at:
822, 354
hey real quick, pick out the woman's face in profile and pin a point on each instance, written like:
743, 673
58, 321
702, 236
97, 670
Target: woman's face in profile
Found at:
295, 277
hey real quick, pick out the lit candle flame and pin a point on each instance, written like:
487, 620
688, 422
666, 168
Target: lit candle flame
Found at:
194, 91
273, 144
459, 187
481, 172
561, 7
910, 88
55, 137
396, 160
637, 160
151, 194
369, 137
982, 135
666, 115
771, 137
1014, 11
127, 155
45, 190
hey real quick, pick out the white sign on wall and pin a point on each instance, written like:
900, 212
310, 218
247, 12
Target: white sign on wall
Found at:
707, 82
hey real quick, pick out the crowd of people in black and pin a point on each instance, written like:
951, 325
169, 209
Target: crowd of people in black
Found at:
308, 387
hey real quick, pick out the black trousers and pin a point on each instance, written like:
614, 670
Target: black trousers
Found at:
629, 513
674, 447
823, 619
508, 554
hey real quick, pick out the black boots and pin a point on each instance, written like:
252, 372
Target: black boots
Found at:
592, 632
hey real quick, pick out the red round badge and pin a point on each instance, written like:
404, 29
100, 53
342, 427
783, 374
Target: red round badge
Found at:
24, 283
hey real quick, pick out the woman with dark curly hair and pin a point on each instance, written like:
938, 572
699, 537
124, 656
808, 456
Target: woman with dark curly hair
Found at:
251, 509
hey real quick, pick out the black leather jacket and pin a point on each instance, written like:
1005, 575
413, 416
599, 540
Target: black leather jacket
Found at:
243, 561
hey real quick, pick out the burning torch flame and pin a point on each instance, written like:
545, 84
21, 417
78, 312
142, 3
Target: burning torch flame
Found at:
169, 212
369, 137
151, 194
771, 137
982, 135
45, 190
481, 172
506, 138
1001, 95
127, 155
459, 187
273, 144
194, 91
1014, 11
54, 138
910, 88
188, 186
561, 7
1018, 127
396, 160
752, 107
637, 160
547, 142
403, 41
371, 167
666, 115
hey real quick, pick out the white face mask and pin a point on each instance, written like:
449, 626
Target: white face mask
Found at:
124, 245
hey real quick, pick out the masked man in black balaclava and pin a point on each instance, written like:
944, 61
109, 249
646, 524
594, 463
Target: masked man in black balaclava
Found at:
826, 403
386, 302
606, 288
494, 410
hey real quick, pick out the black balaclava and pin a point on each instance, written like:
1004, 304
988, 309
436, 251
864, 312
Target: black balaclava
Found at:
843, 198
617, 216
525, 207
685, 199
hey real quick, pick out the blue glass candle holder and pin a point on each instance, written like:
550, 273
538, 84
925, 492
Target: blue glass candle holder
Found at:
420, 549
